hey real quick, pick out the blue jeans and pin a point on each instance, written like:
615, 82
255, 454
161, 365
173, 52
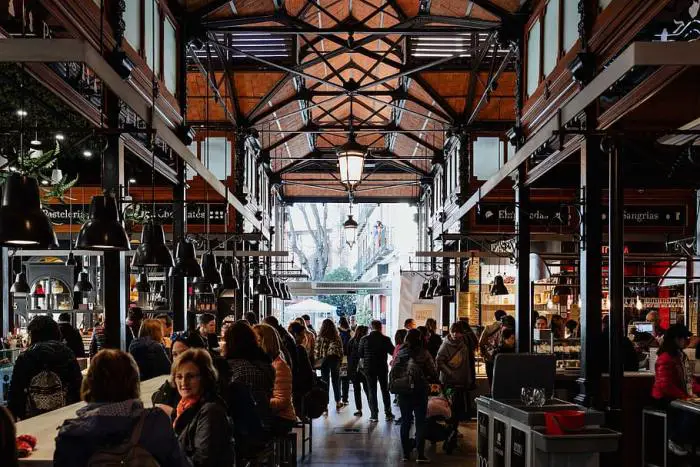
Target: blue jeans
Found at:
330, 373
412, 406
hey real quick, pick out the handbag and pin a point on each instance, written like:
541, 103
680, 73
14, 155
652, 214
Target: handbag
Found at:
344, 368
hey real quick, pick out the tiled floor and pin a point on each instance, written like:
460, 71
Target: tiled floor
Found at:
342, 439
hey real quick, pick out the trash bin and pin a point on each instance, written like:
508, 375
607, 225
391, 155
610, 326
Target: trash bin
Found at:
580, 449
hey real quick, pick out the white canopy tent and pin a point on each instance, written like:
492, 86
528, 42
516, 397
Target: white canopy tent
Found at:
318, 311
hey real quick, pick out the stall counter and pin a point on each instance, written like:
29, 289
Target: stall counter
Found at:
45, 427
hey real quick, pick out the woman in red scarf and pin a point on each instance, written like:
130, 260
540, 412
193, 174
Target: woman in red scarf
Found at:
200, 420
674, 380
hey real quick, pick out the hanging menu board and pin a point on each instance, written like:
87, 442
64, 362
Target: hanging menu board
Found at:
518, 448
482, 439
499, 443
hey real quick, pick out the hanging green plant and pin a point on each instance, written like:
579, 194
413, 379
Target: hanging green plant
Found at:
41, 165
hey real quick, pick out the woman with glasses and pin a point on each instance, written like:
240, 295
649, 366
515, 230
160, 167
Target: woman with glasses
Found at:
200, 419
167, 397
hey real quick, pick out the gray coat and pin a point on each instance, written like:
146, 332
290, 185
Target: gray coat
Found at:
453, 361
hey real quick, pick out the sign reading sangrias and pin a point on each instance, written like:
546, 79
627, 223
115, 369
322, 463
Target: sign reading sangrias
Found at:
654, 216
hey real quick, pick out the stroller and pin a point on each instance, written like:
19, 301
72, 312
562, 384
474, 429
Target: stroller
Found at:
440, 425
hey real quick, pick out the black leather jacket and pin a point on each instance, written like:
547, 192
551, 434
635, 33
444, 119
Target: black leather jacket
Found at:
205, 433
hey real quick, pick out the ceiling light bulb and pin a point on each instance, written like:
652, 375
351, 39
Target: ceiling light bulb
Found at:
639, 305
35, 142
22, 113
60, 137
44, 182
132, 180
87, 153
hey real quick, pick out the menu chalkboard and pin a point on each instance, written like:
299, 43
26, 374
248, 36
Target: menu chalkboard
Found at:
518, 448
499, 443
482, 440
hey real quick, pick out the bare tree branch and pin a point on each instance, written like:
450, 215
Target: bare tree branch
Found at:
295, 247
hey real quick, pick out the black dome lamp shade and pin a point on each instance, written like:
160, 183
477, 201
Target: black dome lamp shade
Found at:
142, 284
423, 291
104, 231
71, 260
152, 252
20, 286
186, 264
84, 284
228, 276
287, 296
498, 287
210, 268
22, 221
262, 287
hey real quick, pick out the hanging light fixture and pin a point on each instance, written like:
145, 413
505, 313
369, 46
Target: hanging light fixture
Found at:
20, 286
152, 252
228, 276
432, 285
262, 287
287, 294
350, 229
84, 284
498, 287
351, 158
186, 264
104, 231
210, 268
423, 291
142, 285
22, 221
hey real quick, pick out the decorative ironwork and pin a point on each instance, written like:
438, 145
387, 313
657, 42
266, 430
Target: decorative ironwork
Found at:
686, 28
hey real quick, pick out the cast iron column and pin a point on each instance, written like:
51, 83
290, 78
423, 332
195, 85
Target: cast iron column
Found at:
523, 326
7, 316
179, 284
590, 273
615, 275
114, 271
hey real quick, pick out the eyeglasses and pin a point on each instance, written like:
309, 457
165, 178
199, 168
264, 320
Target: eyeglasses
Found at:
186, 377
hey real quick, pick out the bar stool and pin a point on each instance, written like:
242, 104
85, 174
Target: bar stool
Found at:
286, 450
654, 452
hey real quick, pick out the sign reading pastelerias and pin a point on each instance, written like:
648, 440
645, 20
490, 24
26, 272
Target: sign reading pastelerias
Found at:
197, 213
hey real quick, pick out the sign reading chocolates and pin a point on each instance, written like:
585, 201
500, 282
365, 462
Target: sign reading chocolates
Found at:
654, 216
197, 213
546, 214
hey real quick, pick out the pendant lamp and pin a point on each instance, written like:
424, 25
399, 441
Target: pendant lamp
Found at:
22, 221
350, 227
186, 264
423, 291
262, 287
71, 260
277, 288
20, 286
142, 284
498, 287
432, 285
152, 252
210, 268
228, 276
104, 231
84, 284
202, 286
351, 160
286, 295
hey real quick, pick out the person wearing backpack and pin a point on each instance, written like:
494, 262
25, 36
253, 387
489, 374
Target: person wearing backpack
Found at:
46, 376
415, 365
200, 420
489, 341
114, 428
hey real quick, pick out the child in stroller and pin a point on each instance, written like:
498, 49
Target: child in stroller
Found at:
440, 426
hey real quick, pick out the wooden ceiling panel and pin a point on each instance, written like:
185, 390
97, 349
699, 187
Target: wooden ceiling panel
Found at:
294, 6
254, 7
253, 86
452, 86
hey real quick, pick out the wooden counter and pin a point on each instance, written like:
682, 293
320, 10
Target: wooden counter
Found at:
45, 427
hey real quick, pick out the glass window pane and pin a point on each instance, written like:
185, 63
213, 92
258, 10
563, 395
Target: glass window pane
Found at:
170, 57
152, 36
533, 58
219, 157
571, 19
132, 19
488, 157
551, 36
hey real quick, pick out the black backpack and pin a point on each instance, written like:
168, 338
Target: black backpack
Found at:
45, 393
316, 400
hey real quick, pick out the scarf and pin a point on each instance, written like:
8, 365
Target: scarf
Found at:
184, 404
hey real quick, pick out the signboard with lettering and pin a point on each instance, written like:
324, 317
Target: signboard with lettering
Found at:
197, 213
482, 439
499, 443
518, 448
547, 214
654, 216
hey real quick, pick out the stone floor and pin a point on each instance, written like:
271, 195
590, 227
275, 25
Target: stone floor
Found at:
342, 439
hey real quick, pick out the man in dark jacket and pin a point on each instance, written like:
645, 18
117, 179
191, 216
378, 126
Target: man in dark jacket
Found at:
374, 350
434, 340
71, 336
48, 366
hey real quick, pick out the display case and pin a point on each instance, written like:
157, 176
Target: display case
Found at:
566, 351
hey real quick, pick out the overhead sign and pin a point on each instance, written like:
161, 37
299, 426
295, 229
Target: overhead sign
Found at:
654, 216
197, 213
548, 214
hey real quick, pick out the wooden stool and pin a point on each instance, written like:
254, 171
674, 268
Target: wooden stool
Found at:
653, 454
